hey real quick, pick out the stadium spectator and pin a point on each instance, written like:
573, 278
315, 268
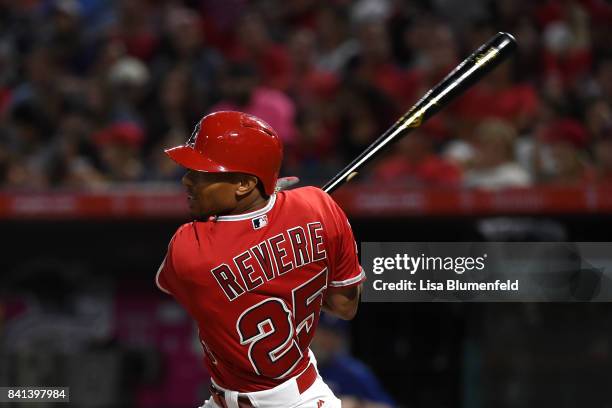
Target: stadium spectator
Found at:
374, 64
241, 90
176, 107
309, 84
336, 46
27, 135
73, 155
603, 158
136, 28
363, 113
414, 163
601, 84
64, 36
127, 83
493, 165
567, 46
498, 96
560, 156
350, 379
119, 146
598, 117
255, 45
313, 156
183, 46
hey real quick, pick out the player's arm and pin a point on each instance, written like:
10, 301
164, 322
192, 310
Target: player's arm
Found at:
166, 279
160, 280
346, 275
342, 302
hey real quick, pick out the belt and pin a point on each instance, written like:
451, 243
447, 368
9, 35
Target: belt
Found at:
219, 397
303, 381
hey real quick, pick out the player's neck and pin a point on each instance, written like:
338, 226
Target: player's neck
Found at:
249, 204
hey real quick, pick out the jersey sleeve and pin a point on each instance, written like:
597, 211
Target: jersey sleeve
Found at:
166, 278
344, 260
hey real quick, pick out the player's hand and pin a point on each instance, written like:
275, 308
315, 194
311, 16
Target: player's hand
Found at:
283, 183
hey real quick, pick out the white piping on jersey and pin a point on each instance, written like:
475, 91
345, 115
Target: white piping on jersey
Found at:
157, 278
252, 214
349, 281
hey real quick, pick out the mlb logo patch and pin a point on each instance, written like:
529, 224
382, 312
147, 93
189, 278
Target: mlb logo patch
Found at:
260, 222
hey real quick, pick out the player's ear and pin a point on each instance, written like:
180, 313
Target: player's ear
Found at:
246, 184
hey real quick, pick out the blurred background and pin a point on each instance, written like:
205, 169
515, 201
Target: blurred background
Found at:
92, 90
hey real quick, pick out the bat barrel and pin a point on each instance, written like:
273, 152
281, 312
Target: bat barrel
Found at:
472, 69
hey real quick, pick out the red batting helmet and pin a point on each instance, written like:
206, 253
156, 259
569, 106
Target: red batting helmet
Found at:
232, 142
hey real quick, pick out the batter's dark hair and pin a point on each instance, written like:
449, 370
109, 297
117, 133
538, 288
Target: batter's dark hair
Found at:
261, 189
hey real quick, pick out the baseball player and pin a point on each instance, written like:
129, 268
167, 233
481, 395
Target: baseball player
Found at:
256, 266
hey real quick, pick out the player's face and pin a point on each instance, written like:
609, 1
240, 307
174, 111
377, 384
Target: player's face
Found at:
210, 193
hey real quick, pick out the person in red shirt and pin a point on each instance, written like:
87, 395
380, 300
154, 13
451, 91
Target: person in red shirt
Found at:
415, 164
254, 44
256, 266
603, 159
241, 90
560, 154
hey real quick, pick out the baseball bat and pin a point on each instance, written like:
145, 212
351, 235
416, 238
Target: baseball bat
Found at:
473, 68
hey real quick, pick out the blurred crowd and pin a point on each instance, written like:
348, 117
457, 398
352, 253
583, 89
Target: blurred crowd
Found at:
92, 90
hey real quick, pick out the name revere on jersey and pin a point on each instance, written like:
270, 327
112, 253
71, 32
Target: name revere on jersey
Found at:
255, 284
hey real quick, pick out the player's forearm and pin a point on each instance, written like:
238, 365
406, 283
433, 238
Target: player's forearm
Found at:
342, 303
341, 313
327, 309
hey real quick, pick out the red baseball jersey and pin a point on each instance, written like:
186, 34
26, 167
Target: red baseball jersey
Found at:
255, 282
